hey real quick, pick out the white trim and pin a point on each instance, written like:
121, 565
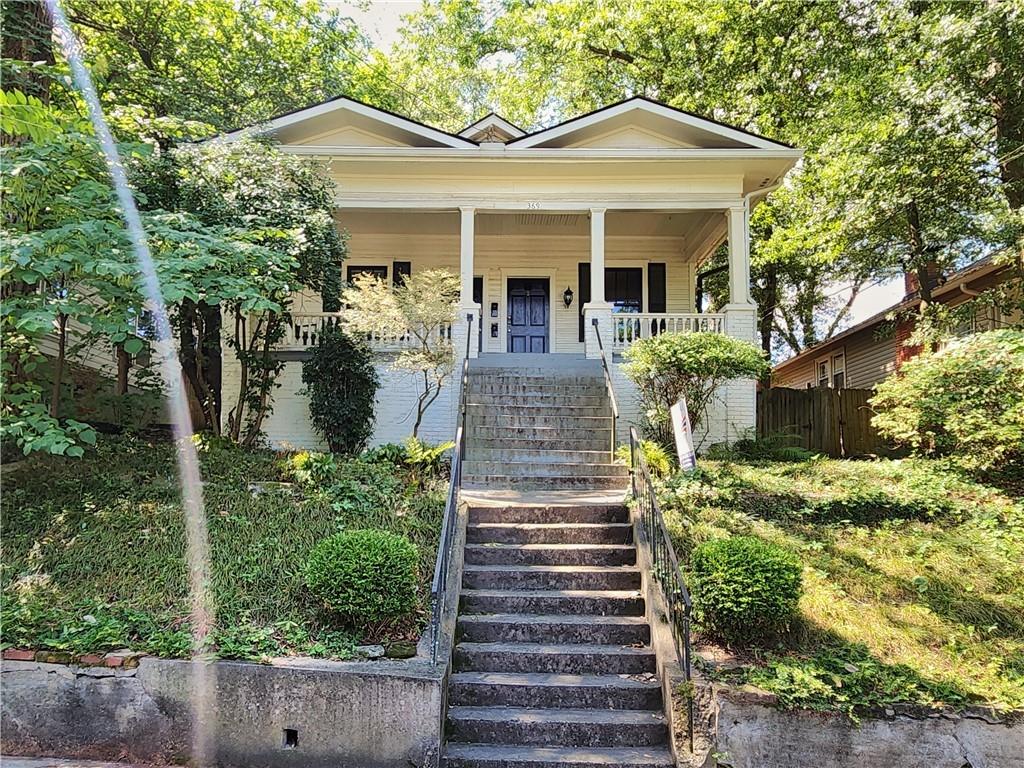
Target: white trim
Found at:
517, 203
530, 272
360, 109
492, 121
655, 109
570, 154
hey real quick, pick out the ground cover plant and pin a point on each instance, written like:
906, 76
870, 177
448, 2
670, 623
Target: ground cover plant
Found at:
913, 578
94, 548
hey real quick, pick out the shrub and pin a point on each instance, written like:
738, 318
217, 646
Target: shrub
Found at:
393, 454
311, 467
364, 575
669, 366
659, 461
744, 588
966, 400
341, 383
779, 446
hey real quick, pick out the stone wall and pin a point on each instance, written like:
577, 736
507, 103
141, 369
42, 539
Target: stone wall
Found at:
358, 714
741, 728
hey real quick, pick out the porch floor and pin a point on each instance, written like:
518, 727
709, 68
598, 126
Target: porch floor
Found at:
552, 362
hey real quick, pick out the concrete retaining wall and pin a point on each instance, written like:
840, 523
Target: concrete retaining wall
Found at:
363, 714
742, 729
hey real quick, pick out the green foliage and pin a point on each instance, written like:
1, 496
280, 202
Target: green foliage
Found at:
393, 454
669, 366
426, 457
103, 537
341, 382
777, 447
421, 308
912, 575
965, 400
364, 576
220, 63
659, 461
743, 587
311, 467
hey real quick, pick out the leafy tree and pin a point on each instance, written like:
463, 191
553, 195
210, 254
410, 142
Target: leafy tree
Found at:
669, 366
220, 63
966, 399
418, 314
283, 203
894, 178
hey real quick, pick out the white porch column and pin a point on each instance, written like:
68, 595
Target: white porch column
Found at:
739, 254
597, 308
466, 304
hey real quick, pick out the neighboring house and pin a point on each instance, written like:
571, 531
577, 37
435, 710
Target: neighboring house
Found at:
863, 355
604, 217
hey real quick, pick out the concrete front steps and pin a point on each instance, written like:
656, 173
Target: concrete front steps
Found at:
553, 664
533, 427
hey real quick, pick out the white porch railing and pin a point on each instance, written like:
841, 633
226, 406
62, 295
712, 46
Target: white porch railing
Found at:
627, 327
306, 328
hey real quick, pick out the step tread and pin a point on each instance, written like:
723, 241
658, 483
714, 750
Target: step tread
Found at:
535, 593
557, 756
550, 526
477, 568
611, 717
552, 618
557, 649
553, 679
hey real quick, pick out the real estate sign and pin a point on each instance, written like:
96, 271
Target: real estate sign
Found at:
684, 435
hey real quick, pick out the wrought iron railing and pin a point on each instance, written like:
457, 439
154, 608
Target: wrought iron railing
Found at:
664, 564
607, 381
449, 523
628, 327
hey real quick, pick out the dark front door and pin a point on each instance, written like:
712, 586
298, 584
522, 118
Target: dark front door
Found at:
528, 302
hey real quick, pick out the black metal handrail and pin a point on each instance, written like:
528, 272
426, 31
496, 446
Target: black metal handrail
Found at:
451, 511
664, 564
607, 380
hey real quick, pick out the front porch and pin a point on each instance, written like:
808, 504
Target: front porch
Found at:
535, 281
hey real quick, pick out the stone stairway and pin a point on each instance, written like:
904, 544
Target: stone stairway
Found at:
553, 664
539, 428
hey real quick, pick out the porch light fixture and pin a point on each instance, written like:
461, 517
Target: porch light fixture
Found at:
567, 297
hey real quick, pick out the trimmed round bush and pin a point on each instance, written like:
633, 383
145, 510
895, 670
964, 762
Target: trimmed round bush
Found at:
744, 588
364, 576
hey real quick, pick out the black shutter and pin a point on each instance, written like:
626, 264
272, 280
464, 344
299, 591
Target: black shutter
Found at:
400, 271
583, 288
656, 287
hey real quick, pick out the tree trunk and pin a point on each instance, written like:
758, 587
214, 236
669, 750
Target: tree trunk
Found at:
124, 364
919, 260
27, 35
58, 364
770, 300
212, 371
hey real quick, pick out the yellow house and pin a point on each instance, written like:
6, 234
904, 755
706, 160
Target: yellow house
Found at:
597, 225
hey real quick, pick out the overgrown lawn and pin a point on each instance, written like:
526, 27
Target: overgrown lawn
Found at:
94, 549
913, 575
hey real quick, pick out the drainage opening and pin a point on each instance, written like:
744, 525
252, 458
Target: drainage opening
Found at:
291, 738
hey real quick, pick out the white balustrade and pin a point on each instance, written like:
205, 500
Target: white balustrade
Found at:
630, 327
306, 327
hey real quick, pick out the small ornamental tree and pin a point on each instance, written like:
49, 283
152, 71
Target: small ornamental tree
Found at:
669, 366
341, 383
420, 311
965, 400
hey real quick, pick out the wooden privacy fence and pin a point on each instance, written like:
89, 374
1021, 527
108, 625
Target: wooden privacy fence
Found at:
836, 422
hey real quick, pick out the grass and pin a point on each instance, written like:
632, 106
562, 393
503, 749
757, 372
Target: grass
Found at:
94, 549
913, 578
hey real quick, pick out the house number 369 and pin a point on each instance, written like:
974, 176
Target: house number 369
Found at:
534, 206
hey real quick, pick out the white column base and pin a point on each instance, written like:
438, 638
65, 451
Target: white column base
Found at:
602, 312
459, 330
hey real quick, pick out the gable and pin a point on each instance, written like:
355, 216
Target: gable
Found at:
349, 136
347, 122
625, 121
631, 137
